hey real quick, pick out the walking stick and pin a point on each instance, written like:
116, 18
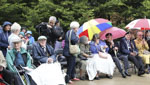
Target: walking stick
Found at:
116, 51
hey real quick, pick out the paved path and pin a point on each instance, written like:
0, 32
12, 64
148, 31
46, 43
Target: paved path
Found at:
118, 80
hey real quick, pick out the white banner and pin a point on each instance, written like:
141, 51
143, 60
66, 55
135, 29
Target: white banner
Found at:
48, 74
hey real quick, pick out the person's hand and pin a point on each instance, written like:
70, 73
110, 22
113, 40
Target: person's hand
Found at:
49, 60
1, 68
116, 48
90, 56
60, 38
105, 47
112, 43
133, 54
143, 42
49, 27
9, 47
27, 40
102, 55
60, 54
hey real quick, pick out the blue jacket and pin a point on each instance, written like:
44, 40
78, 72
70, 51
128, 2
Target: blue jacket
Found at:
10, 58
103, 43
124, 48
96, 48
74, 40
31, 40
93, 48
1, 29
4, 42
39, 55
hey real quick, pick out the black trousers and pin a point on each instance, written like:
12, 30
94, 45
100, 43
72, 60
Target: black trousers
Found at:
137, 61
13, 78
71, 61
118, 64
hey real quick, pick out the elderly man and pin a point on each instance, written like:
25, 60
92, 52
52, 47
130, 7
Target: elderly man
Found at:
4, 37
129, 48
17, 57
114, 51
43, 52
51, 31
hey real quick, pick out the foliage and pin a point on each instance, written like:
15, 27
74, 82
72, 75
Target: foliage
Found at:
29, 13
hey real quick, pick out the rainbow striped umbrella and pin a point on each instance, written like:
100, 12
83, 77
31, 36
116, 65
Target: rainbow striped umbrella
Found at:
93, 26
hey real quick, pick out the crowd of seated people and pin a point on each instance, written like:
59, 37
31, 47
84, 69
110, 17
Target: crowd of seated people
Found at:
96, 57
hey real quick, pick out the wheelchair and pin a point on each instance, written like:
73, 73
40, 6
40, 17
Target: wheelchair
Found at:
2, 81
24, 77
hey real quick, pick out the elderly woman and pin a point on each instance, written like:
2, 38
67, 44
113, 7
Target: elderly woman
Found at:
83, 56
4, 37
71, 59
143, 48
15, 30
87, 61
104, 61
17, 57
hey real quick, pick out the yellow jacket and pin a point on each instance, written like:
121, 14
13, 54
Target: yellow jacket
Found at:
140, 46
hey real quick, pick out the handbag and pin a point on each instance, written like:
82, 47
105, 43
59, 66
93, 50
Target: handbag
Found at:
73, 49
82, 57
58, 46
146, 52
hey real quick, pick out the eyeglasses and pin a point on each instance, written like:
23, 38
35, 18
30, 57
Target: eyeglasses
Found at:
140, 35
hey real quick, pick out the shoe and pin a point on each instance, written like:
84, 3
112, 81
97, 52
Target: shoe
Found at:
147, 71
140, 73
123, 74
70, 82
127, 74
75, 79
109, 76
97, 78
82, 78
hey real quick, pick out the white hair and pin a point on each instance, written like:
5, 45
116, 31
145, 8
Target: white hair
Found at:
52, 18
15, 27
74, 24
